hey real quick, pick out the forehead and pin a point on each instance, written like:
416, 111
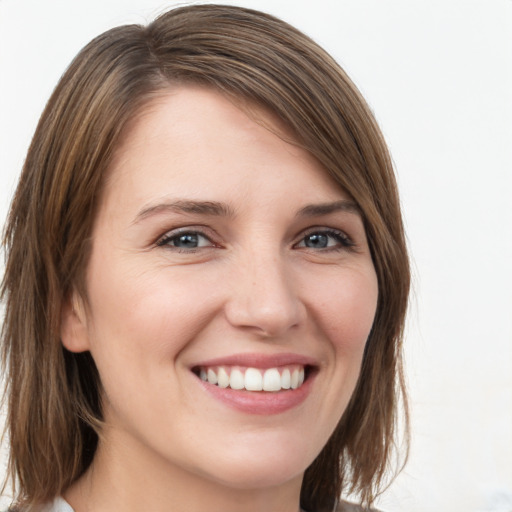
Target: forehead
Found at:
189, 135
185, 106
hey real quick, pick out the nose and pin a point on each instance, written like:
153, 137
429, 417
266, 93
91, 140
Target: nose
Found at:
263, 297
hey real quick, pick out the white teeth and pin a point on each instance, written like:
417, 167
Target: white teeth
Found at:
212, 377
271, 380
301, 376
236, 379
294, 381
223, 378
285, 379
254, 379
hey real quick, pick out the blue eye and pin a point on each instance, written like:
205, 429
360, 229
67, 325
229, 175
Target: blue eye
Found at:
325, 240
316, 240
186, 240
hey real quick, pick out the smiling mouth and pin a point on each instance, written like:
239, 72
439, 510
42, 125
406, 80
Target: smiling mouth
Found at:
276, 379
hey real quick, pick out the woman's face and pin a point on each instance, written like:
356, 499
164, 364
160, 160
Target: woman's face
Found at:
224, 260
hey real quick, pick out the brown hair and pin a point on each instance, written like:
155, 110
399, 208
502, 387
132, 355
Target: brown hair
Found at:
54, 412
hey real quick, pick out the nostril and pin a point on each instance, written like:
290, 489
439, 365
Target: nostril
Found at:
264, 318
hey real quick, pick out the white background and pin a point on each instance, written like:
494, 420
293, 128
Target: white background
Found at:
438, 75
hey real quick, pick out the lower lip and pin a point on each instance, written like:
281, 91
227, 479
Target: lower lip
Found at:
260, 402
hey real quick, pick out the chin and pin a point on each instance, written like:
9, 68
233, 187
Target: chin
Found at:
260, 475
266, 464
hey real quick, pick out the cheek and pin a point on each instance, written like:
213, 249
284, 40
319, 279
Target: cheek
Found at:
145, 313
346, 309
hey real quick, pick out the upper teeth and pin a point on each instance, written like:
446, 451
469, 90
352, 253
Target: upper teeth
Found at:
254, 379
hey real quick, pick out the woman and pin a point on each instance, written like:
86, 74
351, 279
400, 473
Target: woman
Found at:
206, 278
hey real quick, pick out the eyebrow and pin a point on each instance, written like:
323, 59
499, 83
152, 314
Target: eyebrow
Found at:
199, 207
316, 210
223, 210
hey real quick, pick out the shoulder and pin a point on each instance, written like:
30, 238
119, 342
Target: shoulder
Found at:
345, 506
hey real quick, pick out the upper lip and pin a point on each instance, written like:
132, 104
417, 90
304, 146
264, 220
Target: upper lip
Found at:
254, 360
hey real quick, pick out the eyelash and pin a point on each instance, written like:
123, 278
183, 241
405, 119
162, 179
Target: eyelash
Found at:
343, 241
166, 240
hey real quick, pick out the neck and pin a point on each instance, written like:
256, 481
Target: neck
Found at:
120, 480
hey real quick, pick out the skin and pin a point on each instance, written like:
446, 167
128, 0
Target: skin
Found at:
254, 285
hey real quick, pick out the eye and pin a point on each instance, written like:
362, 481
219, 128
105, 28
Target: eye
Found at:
185, 240
325, 239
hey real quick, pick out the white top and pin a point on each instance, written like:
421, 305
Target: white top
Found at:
57, 505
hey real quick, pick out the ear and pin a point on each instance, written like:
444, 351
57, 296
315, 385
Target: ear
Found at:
73, 324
